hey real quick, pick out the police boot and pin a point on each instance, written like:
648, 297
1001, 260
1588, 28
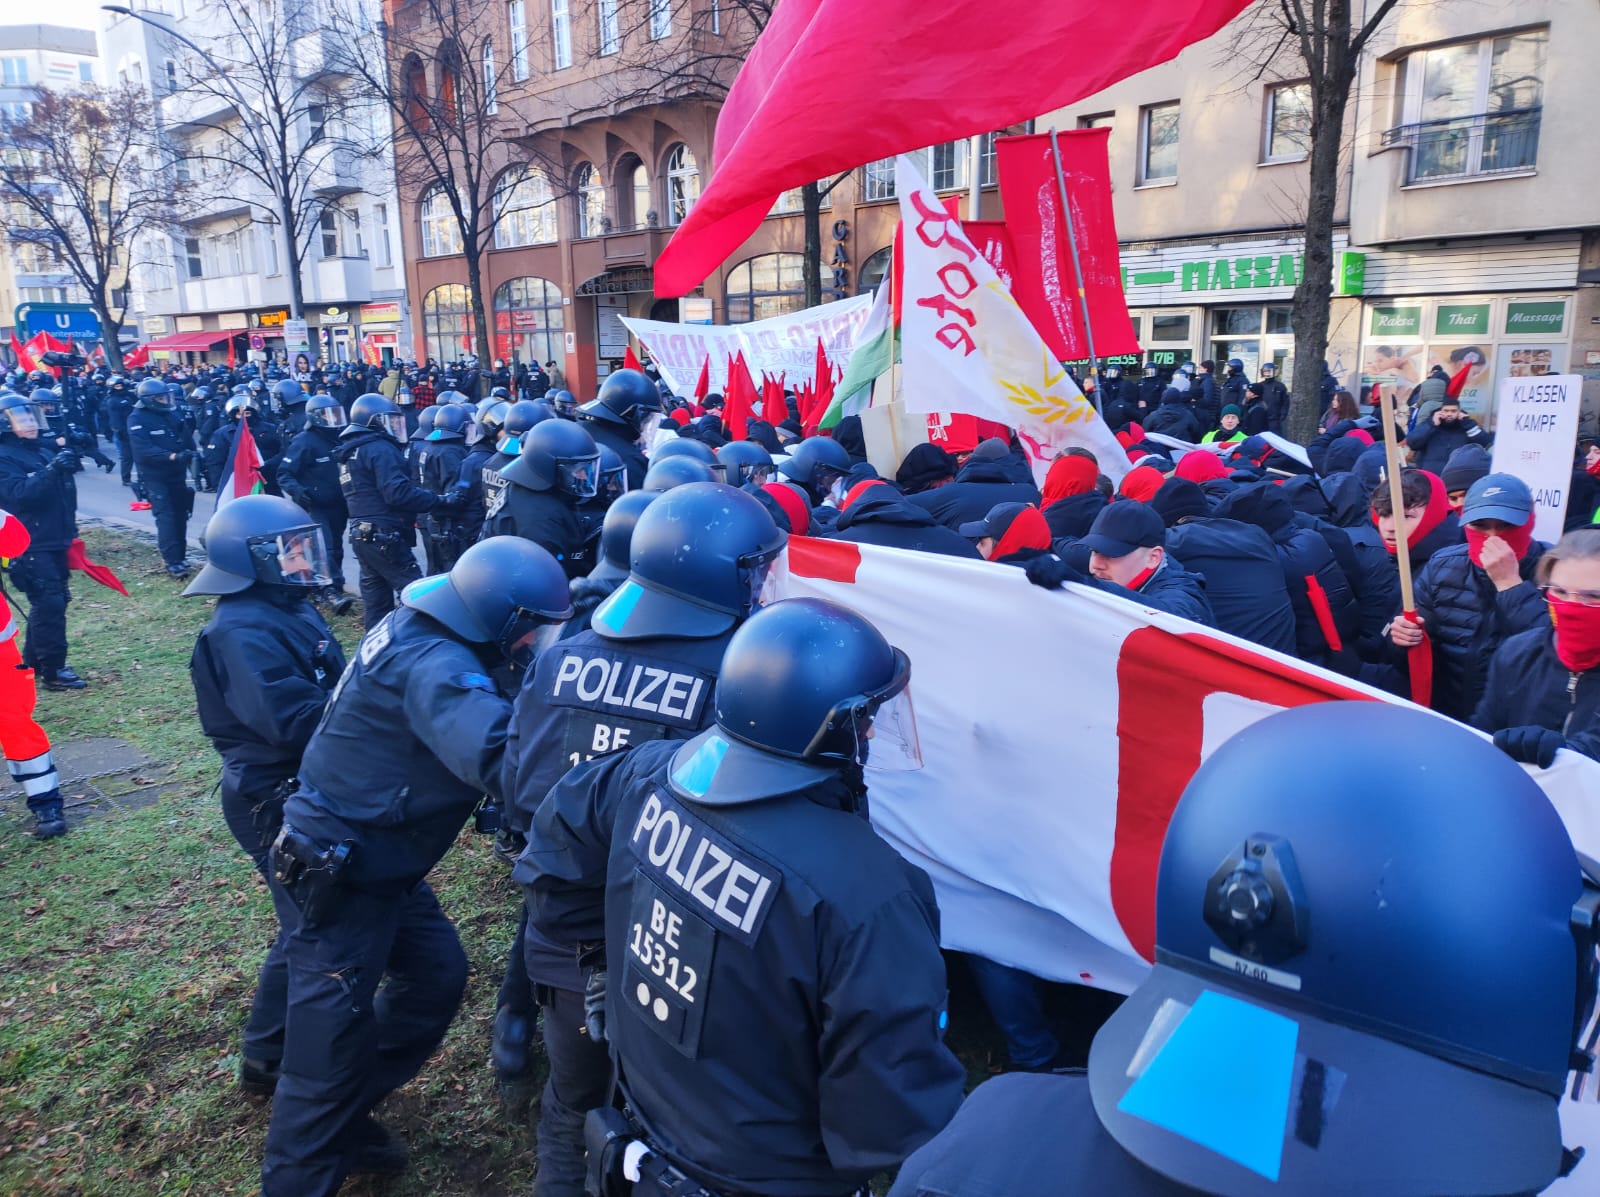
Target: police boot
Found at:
49, 817
62, 679
377, 1150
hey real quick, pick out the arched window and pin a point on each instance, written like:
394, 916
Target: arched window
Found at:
441, 232
634, 206
870, 276
447, 325
591, 202
416, 92
683, 183
528, 320
769, 285
449, 85
525, 211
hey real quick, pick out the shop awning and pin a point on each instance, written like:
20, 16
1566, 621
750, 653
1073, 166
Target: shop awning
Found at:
191, 340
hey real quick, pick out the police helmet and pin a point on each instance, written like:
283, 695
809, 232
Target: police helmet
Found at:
616, 535
676, 471
240, 388
174, 393
116, 380
687, 446
499, 393
699, 559
1382, 955
262, 540
492, 417
425, 422
450, 422
805, 686
288, 392
613, 475
566, 406
746, 462
324, 411
238, 404
505, 591
1235, 363
22, 418
152, 392
48, 402
372, 410
525, 414
627, 397
557, 456
255, 386
814, 461
450, 396
201, 394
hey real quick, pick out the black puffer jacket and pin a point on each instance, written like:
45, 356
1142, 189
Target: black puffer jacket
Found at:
1244, 581
1174, 417
1528, 686
979, 488
882, 515
1467, 620
1070, 518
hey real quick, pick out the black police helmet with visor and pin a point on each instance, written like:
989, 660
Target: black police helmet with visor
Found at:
373, 411
557, 456
815, 464
324, 411
263, 540
48, 404
525, 415
673, 472
613, 475
807, 689
289, 392
616, 534
628, 398
152, 392
746, 462
698, 562
22, 418
685, 446
505, 592
492, 417
451, 422
1374, 972
240, 403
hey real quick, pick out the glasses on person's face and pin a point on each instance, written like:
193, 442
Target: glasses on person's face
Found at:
1560, 594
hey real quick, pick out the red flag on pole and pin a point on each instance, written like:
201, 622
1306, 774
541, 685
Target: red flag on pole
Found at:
773, 409
1458, 380
136, 357
1043, 281
821, 392
785, 123
702, 386
741, 399
230, 353
38, 345
630, 360
24, 358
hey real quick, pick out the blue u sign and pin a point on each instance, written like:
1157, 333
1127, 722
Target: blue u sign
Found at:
64, 321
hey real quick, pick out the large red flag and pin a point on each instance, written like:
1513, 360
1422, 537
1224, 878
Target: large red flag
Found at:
991, 239
773, 408
37, 346
24, 358
740, 399
1042, 279
786, 123
702, 386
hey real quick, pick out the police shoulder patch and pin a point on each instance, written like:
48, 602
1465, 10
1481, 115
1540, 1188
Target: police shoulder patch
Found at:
475, 681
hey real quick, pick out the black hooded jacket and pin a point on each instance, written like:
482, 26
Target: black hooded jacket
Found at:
882, 516
980, 487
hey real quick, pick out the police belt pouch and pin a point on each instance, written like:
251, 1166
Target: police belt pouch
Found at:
310, 872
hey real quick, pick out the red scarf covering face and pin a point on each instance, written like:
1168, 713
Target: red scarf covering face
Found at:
794, 506
1432, 515
1577, 634
856, 491
1027, 531
1141, 483
1200, 466
1069, 476
1519, 540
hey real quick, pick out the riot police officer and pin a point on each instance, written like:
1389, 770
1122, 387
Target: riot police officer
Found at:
245, 404
118, 404
558, 468
1418, 1072
290, 399
263, 668
445, 534
613, 551
482, 435
746, 463
697, 557
818, 465
412, 740
309, 474
672, 472
383, 502
687, 446
772, 986
622, 417
162, 450
37, 487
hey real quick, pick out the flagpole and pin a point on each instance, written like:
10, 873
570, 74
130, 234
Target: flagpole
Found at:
975, 171
1077, 268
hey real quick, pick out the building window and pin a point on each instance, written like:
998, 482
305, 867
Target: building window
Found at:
16, 112
683, 183
948, 165
716, 16
591, 202
491, 81
561, 32
610, 32
1254, 335
14, 72
272, 249
873, 270
660, 19
517, 18
192, 258
878, 180
448, 329
988, 164
416, 92
441, 232
86, 72
640, 212
1472, 108
1097, 120
328, 223
792, 201
1158, 143
317, 122
380, 217
943, 166
524, 209
1288, 125
769, 285
528, 320
169, 67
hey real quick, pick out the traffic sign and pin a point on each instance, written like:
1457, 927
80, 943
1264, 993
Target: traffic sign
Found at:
64, 321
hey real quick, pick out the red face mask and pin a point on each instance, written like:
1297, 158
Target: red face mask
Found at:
1577, 634
1593, 470
1517, 539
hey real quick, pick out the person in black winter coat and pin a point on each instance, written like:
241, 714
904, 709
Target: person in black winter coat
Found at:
1543, 691
990, 477
309, 475
1256, 419
1174, 417
1326, 613
875, 513
162, 450
925, 467
1207, 398
1277, 398
1433, 440
1472, 597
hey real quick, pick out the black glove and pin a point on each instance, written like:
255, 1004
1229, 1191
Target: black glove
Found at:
1050, 572
594, 1005
66, 461
451, 500
1531, 745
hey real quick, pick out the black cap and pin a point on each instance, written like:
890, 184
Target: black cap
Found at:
1123, 527
993, 449
995, 524
1179, 499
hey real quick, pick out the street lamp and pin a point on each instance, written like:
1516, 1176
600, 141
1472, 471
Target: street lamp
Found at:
247, 118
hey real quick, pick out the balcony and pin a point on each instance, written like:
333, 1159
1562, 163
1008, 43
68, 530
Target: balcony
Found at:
336, 172
340, 280
633, 247
1469, 147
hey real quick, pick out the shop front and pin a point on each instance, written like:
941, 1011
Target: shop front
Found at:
380, 333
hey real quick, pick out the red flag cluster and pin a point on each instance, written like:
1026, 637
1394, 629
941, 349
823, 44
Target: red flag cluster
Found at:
740, 396
30, 352
815, 397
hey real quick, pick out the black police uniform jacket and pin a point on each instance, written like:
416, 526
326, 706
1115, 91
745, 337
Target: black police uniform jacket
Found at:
775, 991
624, 442
543, 517
470, 479
153, 434
219, 449
377, 488
45, 500
262, 672
309, 471
413, 738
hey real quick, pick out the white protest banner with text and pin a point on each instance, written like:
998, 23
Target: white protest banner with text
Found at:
785, 345
1536, 428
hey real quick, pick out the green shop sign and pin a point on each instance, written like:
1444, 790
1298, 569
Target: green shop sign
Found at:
1350, 277
1525, 318
1461, 320
1222, 274
1396, 322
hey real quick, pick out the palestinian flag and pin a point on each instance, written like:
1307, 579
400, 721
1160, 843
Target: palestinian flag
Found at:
872, 356
243, 473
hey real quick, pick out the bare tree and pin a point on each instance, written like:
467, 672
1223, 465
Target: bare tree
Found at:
1322, 41
439, 83
262, 104
75, 183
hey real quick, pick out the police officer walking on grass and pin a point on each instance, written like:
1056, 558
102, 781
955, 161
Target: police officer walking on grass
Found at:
263, 668
413, 738
645, 670
162, 449
765, 968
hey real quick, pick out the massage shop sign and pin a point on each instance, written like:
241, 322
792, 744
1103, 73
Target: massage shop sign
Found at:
1244, 270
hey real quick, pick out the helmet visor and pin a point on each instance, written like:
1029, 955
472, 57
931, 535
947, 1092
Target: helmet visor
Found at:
649, 421
566, 406
614, 483
528, 634
27, 420
394, 423
330, 417
579, 476
893, 744
753, 574
472, 432
756, 475
295, 558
